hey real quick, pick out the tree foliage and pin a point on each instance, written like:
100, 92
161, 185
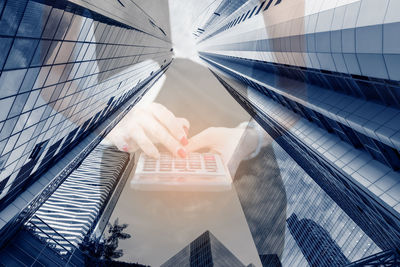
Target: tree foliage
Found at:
107, 247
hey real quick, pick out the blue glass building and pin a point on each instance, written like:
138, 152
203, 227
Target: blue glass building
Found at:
315, 242
69, 73
322, 78
207, 251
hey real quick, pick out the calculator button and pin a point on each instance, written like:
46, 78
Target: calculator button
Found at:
195, 166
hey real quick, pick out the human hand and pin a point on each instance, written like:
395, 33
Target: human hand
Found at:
233, 144
144, 127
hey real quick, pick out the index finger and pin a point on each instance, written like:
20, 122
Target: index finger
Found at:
169, 121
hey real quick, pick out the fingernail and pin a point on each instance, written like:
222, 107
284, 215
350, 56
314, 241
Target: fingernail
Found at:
186, 130
125, 148
182, 153
184, 141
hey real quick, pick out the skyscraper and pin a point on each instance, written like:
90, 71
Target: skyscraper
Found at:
315, 242
69, 73
322, 79
206, 250
270, 198
72, 211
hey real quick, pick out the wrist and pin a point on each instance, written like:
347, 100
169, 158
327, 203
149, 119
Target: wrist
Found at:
255, 133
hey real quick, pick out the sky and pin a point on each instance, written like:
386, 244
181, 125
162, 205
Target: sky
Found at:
185, 15
179, 18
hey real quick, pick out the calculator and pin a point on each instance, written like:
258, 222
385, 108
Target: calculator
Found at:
196, 172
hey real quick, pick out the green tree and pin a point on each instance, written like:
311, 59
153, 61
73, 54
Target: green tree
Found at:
116, 232
107, 248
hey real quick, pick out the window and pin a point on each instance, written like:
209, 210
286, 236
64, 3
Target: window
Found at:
119, 1
246, 16
5, 104
10, 81
37, 151
63, 26
5, 44
11, 16
240, 19
52, 23
252, 12
18, 105
34, 20
65, 52
259, 9
267, 6
391, 155
110, 101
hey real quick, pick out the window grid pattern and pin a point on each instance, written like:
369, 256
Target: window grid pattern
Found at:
241, 17
347, 37
385, 154
342, 231
306, 199
60, 65
378, 223
324, 82
80, 199
205, 251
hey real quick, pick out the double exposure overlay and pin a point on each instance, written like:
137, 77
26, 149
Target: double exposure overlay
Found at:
200, 133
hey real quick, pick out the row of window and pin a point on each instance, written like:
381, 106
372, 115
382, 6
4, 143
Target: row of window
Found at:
38, 44
49, 126
362, 209
38, 117
381, 91
21, 88
386, 92
25, 52
246, 15
378, 150
39, 163
306, 200
34, 19
315, 242
42, 105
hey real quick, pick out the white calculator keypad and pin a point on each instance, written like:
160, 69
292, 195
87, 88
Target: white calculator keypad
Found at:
197, 169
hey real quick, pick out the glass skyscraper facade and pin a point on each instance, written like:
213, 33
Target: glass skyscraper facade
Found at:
69, 73
292, 218
72, 211
207, 251
322, 78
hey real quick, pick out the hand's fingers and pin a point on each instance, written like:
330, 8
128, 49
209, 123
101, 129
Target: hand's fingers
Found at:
123, 141
185, 124
141, 139
168, 119
132, 138
159, 133
200, 141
